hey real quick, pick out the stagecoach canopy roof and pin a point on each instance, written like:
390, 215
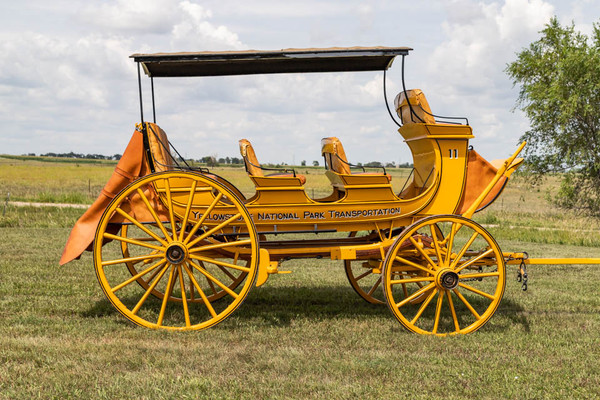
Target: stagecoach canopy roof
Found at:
249, 62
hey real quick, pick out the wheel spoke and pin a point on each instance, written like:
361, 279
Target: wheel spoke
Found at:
215, 229
139, 275
154, 215
438, 310
478, 275
453, 311
209, 306
202, 218
425, 255
142, 227
473, 260
132, 259
132, 241
188, 209
412, 280
186, 312
226, 272
150, 289
415, 295
220, 245
423, 306
221, 263
436, 245
412, 264
375, 286
453, 231
477, 291
170, 207
466, 303
215, 280
364, 274
462, 251
166, 297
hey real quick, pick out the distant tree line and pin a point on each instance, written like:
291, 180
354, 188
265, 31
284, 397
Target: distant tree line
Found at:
79, 155
212, 161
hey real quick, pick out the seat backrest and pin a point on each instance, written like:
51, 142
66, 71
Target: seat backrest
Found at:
159, 148
335, 157
421, 113
250, 160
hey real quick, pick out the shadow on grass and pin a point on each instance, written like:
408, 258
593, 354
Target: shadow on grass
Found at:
279, 306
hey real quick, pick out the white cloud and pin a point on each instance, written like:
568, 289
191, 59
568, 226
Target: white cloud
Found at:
467, 69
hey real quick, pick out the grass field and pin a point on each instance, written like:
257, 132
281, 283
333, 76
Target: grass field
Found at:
305, 335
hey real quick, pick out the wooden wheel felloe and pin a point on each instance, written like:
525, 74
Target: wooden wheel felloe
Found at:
444, 275
183, 238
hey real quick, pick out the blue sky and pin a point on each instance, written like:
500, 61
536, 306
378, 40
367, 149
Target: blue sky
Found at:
67, 84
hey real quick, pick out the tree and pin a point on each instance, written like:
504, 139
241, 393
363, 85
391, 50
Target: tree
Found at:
315, 163
559, 79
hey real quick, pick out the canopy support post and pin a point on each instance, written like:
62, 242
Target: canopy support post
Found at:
153, 106
140, 91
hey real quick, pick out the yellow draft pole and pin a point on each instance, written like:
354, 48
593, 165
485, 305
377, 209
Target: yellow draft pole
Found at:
471, 210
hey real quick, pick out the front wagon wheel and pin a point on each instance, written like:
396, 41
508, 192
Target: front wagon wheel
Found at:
176, 250
444, 275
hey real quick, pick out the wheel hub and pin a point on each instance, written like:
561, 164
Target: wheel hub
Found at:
176, 253
447, 279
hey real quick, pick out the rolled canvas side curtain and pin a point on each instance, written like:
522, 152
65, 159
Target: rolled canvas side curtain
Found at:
131, 166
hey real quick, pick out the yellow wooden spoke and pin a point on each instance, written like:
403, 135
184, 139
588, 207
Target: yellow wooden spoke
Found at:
226, 272
463, 250
375, 286
453, 231
154, 274
425, 255
415, 294
438, 310
367, 273
139, 275
132, 259
188, 209
215, 280
474, 260
221, 263
477, 291
150, 289
423, 306
220, 245
170, 207
412, 280
212, 285
142, 227
209, 306
436, 245
478, 275
132, 241
154, 215
466, 303
412, 264
202, 218
166, 297
186, 312
453, 311
215, 229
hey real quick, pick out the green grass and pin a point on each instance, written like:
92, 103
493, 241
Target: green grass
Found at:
306, 335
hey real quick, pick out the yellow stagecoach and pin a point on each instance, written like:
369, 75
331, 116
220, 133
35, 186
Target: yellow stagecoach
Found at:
178, 247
